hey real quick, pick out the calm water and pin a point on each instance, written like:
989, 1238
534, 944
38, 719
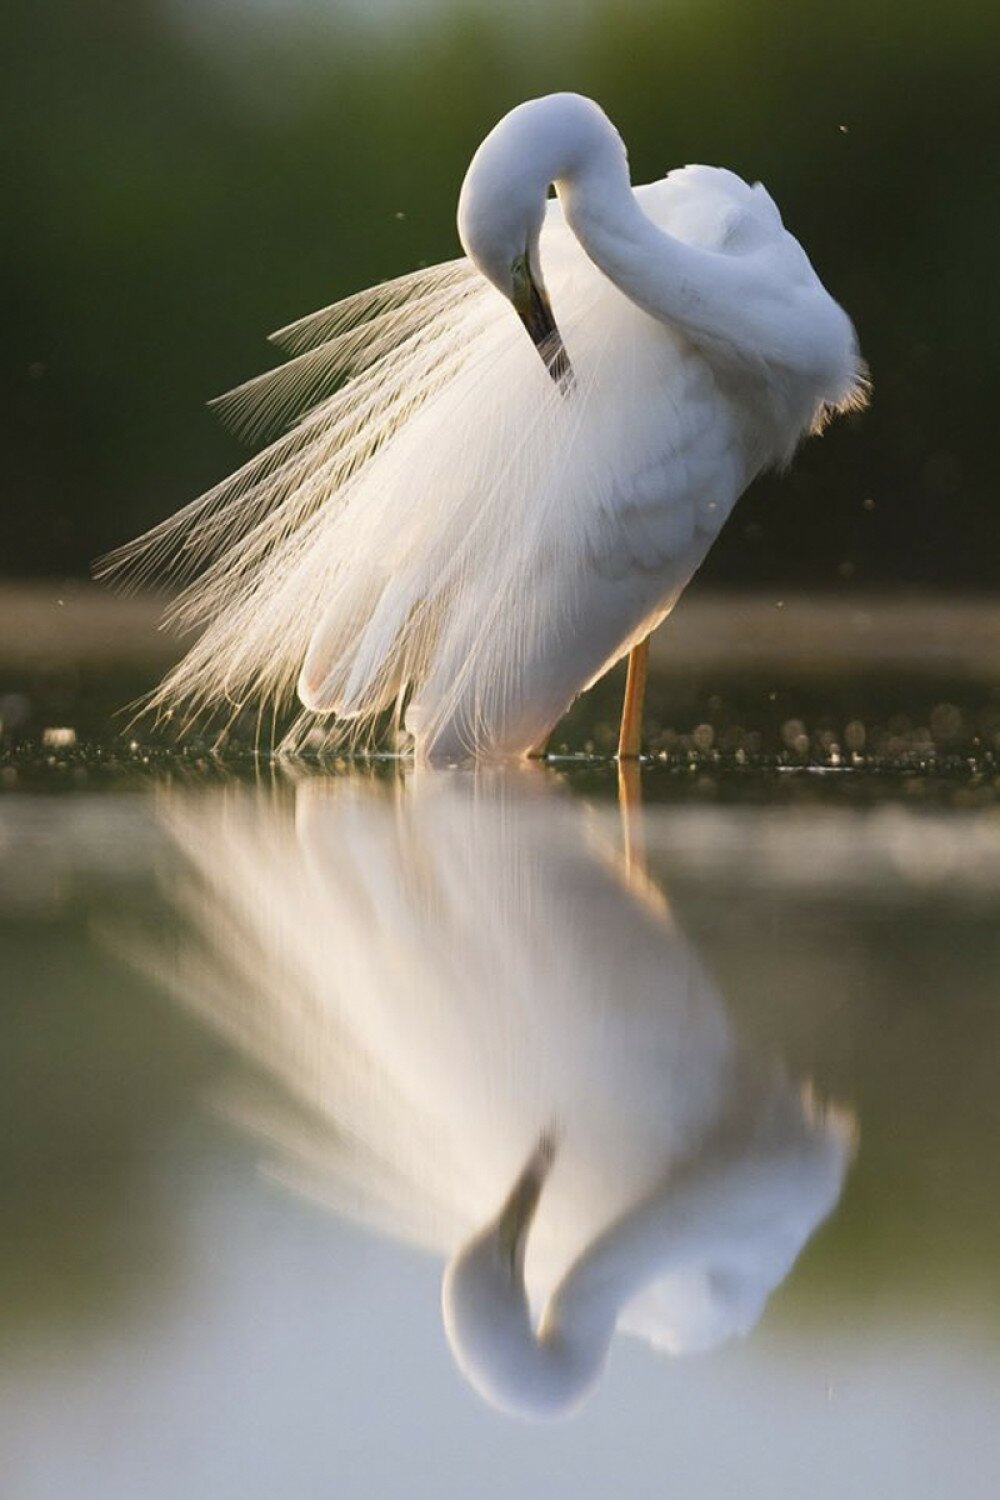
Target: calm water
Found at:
275, 1048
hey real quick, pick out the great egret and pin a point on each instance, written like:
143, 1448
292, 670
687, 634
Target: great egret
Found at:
453, 532
480, 1028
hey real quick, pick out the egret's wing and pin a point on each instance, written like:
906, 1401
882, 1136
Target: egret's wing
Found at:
594, 532
656, 520
281, 957
361, 370
341, 342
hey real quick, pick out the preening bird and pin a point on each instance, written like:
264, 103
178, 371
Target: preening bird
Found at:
483, 1038
449, 526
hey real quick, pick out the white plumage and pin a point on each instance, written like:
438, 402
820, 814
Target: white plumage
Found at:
446, 529
437, 974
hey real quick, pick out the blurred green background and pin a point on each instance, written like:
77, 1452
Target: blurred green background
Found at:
185, 175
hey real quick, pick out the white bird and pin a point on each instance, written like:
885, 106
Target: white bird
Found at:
446, 531
487, 1042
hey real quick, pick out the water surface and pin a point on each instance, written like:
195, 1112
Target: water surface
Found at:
277, 1045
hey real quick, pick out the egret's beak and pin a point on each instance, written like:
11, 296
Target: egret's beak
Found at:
532, 305
514, 1220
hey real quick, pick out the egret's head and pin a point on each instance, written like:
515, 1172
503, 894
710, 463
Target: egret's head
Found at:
502, 206
500, 215
488, 1321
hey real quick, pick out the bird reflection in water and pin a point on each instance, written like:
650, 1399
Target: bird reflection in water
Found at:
492, 1039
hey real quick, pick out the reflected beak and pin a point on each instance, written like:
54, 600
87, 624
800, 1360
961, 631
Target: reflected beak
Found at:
532, 305
516, 1216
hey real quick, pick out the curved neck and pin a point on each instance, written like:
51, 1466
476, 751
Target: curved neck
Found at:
762, 309
735, 1225
551, 1371
733, 301
568, 141
547, 1373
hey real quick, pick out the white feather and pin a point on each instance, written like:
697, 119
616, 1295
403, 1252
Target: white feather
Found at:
444, 527
435, 974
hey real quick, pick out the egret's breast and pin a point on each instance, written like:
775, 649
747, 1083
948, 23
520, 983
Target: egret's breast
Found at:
661, 457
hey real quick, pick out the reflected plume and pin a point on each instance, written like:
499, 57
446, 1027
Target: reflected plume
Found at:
490, 1038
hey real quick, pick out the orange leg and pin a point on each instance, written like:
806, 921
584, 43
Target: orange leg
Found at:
630, 735
630, 811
